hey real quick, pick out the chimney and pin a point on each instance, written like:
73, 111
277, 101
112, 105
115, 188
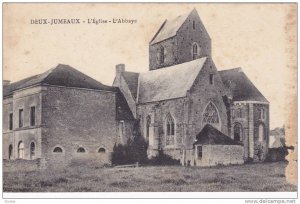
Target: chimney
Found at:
119, 69
6, 82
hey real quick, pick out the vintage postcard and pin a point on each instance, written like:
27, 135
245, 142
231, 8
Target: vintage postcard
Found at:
150, 97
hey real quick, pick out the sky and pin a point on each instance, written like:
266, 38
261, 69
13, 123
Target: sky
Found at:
255, 37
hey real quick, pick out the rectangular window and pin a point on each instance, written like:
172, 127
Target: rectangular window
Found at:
21, 117
32, 116
199, 148
211, 79
10, 121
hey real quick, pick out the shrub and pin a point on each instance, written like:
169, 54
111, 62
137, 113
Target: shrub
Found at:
277, 154
135, 150
163, 159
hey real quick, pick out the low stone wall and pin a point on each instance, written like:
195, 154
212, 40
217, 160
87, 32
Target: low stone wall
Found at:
213, 155
21, 165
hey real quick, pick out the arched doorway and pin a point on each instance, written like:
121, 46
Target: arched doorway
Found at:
10, 151
238, 132
21, 150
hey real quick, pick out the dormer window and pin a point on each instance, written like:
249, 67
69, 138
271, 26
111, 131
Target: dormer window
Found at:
161, 56
195, 50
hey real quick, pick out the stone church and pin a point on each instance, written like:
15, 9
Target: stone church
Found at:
183, 105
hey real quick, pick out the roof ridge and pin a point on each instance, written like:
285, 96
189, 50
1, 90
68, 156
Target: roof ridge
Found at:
175, 66
231, 69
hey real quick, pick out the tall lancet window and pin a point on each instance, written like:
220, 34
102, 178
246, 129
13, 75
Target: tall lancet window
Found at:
170, 130
195, 50
211, 114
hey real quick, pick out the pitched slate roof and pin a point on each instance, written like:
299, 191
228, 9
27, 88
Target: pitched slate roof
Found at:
61, 75
132, 79
240, 86
169, 28
123, 111
169, 82
211, 136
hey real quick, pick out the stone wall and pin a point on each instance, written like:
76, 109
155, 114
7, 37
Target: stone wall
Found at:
75, 118
186, 36
20, 165
158, 112
261, 147
170, 53
213, 155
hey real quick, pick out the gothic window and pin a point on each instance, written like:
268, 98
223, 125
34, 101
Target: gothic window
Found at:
161, 56
194, 25
32, 150
80, 150
101, 150
148, 122
21, 150
58, 150
170, 130
195, 50
32, 116
211, 114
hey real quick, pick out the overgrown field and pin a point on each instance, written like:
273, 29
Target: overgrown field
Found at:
248, 177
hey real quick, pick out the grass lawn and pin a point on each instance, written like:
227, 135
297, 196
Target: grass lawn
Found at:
248, 177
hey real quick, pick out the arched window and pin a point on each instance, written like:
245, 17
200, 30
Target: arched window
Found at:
21, 150
148, 122
32, 150
238, 132
101, 150
261, 132
161, 55
261, 113
58, 150
239, 113
81, 150
170, 130
195, 50
211, 114
10, 152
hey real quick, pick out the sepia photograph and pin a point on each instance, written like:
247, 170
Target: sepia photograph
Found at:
149, 97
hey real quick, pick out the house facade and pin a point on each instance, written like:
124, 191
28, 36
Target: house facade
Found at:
62, 116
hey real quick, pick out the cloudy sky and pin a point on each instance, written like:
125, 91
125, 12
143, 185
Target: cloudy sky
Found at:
256, 37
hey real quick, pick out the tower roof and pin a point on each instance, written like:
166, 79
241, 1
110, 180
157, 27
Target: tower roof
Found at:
169, 28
